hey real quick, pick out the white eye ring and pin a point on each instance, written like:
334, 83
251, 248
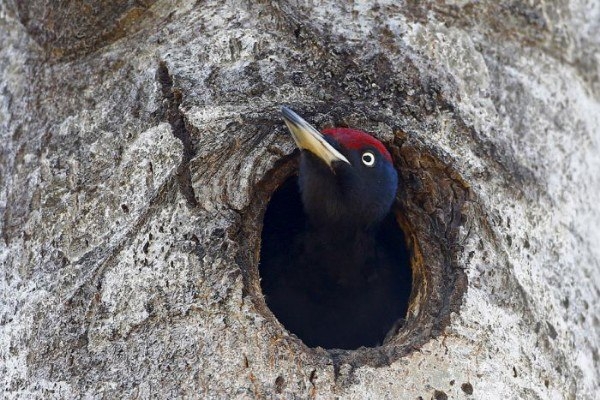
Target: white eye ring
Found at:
368, 158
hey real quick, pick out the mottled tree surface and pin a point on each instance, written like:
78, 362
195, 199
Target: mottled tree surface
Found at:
140, 142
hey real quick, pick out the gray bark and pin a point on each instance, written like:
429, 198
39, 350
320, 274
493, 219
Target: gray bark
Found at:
141, 142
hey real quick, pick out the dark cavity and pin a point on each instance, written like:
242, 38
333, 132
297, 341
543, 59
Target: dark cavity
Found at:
318, 311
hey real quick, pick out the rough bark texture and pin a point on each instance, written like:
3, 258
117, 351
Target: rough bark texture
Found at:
140, 143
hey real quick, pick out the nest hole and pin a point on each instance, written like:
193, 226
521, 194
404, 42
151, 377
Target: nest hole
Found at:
432, 205
318, 310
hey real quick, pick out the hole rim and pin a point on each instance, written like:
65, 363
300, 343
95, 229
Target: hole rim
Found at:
439, 284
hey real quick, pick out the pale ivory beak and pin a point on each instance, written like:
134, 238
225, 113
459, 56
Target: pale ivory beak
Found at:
308, 138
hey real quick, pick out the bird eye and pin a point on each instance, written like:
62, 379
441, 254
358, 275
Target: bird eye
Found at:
368, 159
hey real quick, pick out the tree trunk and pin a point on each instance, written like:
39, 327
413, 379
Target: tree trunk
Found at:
141, 142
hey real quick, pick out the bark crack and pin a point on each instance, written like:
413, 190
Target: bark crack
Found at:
172, 98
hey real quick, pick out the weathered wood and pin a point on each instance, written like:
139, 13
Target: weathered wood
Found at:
140, 144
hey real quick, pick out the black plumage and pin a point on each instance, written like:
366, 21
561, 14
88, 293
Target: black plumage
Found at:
334, 267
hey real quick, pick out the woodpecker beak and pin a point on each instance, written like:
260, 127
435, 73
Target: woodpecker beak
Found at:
308, 138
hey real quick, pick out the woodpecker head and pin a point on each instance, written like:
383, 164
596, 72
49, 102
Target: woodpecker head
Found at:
346, 176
